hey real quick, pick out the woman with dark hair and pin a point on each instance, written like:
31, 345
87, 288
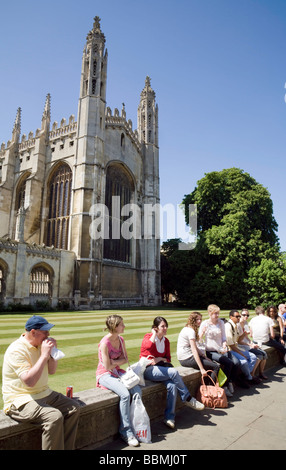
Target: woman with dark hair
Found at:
278, 326
191, 352
156, 347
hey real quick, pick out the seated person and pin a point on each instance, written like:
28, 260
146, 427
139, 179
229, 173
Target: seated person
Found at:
156, 347
191, 352
26, 393
213, 332
245, 359
245, 342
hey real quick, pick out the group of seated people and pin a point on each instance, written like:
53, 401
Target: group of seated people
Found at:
233, 345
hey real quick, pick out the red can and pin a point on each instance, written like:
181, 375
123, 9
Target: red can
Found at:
70, 392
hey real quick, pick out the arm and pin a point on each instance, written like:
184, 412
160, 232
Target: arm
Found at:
197, 356
31, 377
230, 340
148, 348
280, 321
243, 334
165, 358
110, 364
235, 349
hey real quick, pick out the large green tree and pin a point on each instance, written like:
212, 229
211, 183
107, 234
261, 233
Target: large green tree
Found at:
236, 236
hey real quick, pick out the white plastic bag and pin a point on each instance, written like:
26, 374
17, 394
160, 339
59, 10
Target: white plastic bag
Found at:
57, 354
140, 421
139, 368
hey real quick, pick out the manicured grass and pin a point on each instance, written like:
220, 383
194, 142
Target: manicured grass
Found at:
78, 335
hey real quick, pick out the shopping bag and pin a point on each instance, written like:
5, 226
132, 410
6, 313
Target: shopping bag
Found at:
221, 377
140, 422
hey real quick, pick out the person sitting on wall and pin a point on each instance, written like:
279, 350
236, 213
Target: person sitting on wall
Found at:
26, 393
246, 360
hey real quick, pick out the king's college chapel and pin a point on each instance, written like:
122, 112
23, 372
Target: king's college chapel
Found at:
51, 179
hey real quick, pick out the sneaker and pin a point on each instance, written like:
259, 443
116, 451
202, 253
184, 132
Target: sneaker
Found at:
131, 441
230, 387
227, 392
195, 404
170, 423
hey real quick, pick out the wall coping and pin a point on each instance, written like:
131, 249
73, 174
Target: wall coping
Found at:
96, 404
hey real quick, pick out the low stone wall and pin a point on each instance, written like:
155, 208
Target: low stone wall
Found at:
99, 418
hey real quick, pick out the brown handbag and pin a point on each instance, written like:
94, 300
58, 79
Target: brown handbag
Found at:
212, 396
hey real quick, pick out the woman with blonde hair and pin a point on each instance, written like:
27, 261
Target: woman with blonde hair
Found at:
213, 331
191, 352
112, 354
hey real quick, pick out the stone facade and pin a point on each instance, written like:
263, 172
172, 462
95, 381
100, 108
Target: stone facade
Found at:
53, 181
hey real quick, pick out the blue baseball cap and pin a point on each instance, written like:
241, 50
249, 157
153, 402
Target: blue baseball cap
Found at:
38, 323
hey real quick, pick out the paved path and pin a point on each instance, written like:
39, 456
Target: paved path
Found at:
255, 419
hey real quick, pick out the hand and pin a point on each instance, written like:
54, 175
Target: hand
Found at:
154, 360
53, 341
46, 348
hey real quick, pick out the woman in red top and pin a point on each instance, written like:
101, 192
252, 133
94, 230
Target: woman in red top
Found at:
156, 347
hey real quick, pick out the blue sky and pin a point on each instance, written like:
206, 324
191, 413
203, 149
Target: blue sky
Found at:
218, 68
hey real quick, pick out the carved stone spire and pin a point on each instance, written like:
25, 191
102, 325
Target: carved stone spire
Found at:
94, 64
46, 118
96, 31
17, 127
148, 115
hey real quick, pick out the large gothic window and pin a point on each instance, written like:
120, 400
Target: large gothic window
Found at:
119, 184
20, 194
40, 283
59, 197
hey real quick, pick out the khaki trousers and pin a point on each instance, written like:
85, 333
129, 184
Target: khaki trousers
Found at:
58, 417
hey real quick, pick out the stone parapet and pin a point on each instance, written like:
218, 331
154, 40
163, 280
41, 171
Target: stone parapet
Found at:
99, 417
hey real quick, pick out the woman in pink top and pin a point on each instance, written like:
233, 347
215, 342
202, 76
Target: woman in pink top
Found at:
112, 354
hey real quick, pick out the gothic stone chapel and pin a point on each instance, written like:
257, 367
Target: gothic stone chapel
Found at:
51, 180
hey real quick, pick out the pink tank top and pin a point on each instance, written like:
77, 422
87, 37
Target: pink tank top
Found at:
113, 354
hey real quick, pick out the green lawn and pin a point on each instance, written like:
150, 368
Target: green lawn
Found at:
78, 334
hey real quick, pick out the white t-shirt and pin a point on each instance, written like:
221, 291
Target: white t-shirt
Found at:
184, 350
260, 327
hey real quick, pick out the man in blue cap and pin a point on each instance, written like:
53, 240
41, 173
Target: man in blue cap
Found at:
26, 393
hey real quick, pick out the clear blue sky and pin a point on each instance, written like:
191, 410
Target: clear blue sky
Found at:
218, 68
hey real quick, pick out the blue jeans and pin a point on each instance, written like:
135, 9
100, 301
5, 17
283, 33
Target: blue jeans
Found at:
115, 385
173, 382
246, 365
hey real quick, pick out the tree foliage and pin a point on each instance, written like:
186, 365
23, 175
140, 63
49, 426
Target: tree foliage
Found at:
236, 245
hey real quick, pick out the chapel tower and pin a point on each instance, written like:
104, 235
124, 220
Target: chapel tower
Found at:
51, 180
